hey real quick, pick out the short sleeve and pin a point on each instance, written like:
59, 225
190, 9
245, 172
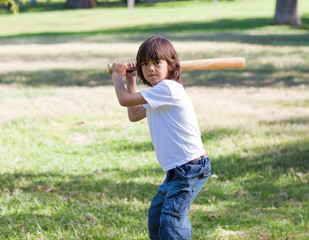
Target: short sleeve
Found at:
158, 96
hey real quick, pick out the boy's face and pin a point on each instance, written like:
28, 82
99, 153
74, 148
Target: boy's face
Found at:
155, 71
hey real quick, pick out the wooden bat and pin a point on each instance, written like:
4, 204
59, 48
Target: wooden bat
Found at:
203, 64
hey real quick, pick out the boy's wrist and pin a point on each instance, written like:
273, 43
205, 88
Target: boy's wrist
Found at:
116, 75
131, 79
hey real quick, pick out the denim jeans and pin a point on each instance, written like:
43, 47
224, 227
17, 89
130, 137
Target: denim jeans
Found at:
168, 212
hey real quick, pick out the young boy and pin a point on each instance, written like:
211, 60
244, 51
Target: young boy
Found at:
174, 132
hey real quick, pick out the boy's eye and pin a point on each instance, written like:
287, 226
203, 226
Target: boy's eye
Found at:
154, 62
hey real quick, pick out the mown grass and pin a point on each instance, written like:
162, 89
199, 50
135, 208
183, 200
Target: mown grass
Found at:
74, 167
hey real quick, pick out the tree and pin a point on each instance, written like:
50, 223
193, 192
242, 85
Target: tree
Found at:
12, 3
80, 3
287, 13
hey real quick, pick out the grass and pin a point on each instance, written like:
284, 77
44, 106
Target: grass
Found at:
74, 167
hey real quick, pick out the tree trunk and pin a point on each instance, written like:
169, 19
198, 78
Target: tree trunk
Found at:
80, 4
287, 13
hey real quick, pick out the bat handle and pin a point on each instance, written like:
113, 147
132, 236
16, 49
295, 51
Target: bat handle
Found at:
110, 68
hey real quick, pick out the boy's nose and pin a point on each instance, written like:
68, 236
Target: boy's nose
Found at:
151, 68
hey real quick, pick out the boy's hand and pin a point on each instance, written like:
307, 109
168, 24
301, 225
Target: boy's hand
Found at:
131, 76
119, 69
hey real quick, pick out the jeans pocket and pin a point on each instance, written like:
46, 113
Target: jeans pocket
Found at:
188, 170
207, 170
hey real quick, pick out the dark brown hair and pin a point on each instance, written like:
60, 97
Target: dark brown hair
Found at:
158, 48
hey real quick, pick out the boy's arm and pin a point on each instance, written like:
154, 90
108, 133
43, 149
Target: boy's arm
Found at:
135, 113
128, 97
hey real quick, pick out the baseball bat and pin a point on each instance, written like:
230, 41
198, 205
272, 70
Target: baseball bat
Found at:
203, 64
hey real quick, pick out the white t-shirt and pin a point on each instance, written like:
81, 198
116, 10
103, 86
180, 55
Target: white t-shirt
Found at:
173, 125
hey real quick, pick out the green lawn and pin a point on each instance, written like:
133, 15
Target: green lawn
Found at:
74, 167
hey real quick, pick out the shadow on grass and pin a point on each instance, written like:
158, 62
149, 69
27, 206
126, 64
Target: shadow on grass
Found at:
261, 192
262, 207
59, 77
251, 76
221, 30
104, 193
257, 76
77, 220
265, 165
270, 161
103, 181
123, 145
221, 133
289, 121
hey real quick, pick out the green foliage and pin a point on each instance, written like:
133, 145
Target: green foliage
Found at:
13, 3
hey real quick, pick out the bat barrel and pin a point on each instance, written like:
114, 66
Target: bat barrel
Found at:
214, 63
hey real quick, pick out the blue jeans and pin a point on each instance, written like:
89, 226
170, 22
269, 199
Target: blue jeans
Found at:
168, 212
